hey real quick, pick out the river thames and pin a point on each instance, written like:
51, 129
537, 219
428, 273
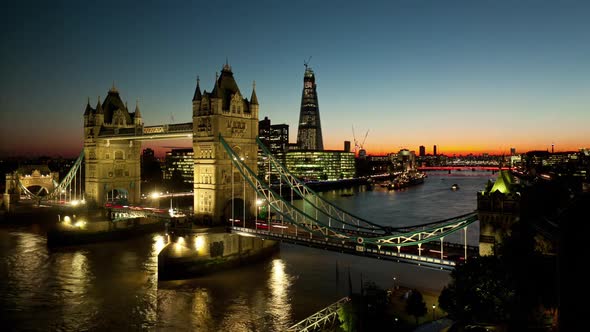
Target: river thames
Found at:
114, 286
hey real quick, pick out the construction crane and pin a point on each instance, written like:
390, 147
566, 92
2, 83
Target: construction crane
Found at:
364, 139
356, 143
359, 147
362, 151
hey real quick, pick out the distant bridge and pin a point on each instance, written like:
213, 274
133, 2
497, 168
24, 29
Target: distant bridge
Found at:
462, 168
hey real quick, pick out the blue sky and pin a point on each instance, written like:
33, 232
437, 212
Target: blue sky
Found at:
479, 76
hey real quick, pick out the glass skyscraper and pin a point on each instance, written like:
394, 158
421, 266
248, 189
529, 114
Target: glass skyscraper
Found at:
309, 133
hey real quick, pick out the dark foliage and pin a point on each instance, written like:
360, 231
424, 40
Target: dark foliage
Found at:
415, 305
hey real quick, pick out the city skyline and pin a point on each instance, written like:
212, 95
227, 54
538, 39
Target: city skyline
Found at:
468, 77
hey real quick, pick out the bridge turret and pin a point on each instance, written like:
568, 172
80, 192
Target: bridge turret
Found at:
197, 98
137, 115
98, 114
254, 102
88, 114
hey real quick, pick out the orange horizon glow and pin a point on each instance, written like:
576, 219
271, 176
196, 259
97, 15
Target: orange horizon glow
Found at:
461, 151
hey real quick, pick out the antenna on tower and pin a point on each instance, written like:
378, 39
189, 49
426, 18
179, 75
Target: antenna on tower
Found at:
306, 63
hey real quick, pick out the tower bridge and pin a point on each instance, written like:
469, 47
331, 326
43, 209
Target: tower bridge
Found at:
224, 134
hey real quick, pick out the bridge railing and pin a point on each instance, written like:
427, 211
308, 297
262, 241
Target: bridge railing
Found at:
324, 318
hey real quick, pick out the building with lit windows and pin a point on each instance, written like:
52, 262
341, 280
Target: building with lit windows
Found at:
180, 161
311, 165
404, 161
276, 139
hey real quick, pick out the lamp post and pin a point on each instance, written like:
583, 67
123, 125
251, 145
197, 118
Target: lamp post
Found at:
394, 284
433, 307
258, 205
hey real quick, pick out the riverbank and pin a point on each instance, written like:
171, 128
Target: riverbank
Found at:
79, 231
397, 299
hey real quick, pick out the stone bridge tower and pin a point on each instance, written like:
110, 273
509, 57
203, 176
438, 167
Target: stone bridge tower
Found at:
113, 169
223, 111
498, 208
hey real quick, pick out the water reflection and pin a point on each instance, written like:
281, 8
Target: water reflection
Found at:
114, 285
23, 261
73, 279
201, 311
279, 306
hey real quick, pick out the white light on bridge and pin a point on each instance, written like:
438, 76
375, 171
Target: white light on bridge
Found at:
179, 243
155, 195
159, 243
80, 224
199, 243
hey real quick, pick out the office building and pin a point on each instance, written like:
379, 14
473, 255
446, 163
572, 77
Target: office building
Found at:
180, 163
311, 165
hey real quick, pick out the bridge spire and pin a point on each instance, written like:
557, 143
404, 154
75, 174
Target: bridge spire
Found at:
197, 96
254, 98
137, 114
99, 107
88, 109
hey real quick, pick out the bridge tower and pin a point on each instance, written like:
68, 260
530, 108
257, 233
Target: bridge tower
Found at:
113, 169
498, 208
223, 111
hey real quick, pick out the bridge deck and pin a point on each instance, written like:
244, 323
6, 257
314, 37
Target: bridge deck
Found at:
385, 253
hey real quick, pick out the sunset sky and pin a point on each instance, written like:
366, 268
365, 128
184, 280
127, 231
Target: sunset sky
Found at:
468, 76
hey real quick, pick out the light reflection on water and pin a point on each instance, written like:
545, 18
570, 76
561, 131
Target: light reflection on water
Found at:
114, 285
278, 305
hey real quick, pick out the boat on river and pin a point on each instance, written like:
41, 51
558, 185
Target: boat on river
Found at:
407, 179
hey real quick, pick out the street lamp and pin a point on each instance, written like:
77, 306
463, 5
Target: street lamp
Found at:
433, 307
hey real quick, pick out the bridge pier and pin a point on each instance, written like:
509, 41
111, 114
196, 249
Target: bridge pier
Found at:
196, 254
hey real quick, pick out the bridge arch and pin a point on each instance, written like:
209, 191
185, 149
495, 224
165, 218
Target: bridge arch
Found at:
39, 190
117, 195
237, 204
33, 178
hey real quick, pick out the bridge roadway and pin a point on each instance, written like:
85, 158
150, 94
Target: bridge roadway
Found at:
428, 255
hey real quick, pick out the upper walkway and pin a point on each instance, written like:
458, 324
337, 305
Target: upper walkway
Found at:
165, 131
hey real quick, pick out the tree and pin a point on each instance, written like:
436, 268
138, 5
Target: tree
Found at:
374, 301
347, 317
480, 292
512, 288
415, 305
